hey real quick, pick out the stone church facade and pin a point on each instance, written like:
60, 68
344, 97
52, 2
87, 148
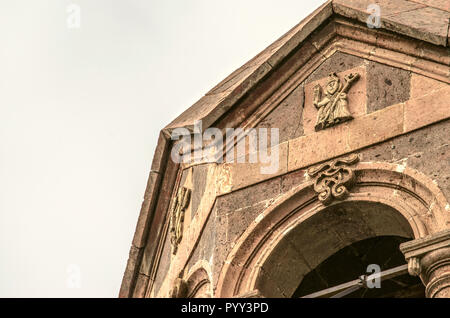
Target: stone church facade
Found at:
362, 113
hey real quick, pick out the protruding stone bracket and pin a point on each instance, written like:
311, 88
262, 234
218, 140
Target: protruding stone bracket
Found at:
429, 257
414, 266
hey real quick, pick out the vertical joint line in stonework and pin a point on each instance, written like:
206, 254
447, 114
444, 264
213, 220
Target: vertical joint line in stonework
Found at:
287, 156
448, 32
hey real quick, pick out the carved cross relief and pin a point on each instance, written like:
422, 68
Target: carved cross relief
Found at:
332, 106
179, 206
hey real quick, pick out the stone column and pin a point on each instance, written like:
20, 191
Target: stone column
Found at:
429, 258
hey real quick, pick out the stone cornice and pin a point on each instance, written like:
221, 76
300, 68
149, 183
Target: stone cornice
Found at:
429, 257
420, 247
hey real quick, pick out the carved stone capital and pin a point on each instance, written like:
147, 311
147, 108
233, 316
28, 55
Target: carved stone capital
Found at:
429, 257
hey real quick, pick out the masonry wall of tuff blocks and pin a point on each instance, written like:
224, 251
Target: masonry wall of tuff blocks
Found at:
399, 117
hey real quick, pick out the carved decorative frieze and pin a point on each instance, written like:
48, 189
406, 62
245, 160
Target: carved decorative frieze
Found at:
179, 207
334, 179
332, 106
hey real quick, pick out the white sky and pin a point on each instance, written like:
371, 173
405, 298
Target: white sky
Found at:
80, 113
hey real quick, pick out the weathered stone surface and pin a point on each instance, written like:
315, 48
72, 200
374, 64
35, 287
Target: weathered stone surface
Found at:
233, 79
427, 22
222, 97
421, 85
159, 157
335, 141
386, 86
426, 150
287, 117
141, 286
402, 16
301, 31
212, 233
288, 181
147, 207
327, 143
429, 257
199, 183
243, 174
274, 283
249, 196
400, 129
216, 244
379, 152
405, 17
425, 139
266, 90
305, 246
229, 219
387, 6
427, 109
338, 62
234, 212
158, 219
437, 4
164, 264
434, 163
380, 125
129, 276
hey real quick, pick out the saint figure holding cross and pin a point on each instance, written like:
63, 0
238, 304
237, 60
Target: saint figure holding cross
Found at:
332, 108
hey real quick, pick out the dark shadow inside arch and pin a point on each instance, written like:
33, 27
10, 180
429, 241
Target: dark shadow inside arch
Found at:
328, 242
352, 261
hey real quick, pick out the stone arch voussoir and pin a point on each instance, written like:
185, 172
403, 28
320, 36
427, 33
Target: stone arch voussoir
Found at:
415, 196
198, 280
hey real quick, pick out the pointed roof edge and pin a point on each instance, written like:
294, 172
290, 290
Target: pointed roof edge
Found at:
405, 17
224, 95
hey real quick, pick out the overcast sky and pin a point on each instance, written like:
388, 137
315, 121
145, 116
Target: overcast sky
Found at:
80, 113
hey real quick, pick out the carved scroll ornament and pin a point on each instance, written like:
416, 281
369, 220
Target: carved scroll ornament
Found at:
333, 179
177, 216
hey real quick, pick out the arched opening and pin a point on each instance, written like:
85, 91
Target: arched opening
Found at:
198, 281
336, 246
358, 259
199, 285
296, 233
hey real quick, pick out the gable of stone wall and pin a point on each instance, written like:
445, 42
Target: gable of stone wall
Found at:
382, 131
426, 150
